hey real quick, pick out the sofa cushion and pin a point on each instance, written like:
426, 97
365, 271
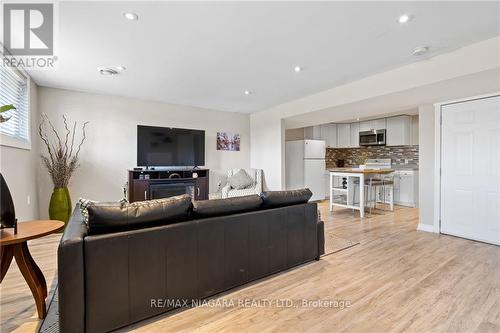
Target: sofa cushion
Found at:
219, 207
85, 203
240, 180
112, 217
271, 199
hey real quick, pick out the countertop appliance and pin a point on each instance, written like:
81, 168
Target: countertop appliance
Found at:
372, 138
305, 166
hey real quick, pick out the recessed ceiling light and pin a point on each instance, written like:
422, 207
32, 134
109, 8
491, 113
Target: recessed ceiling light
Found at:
418, 51
297, 69
130, 16
405, 18
107, 71
121, 68
247, 92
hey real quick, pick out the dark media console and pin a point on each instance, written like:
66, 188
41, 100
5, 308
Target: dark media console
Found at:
157, 184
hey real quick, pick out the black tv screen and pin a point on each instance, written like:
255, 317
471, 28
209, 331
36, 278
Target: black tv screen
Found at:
165, 146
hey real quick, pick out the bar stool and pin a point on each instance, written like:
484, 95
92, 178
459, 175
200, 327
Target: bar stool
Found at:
370, 185
388, 181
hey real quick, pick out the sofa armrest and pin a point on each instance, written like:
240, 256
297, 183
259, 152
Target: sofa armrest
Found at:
225, 191
71, 275
321, 238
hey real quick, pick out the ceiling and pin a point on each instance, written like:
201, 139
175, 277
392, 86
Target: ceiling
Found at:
403, 102
207, 54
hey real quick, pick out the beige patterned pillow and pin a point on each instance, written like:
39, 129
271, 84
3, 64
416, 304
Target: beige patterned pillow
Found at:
240, 180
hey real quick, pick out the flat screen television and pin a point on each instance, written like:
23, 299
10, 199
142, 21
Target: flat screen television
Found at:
165, 146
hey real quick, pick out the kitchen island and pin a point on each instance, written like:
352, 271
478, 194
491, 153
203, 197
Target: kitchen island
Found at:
349, 174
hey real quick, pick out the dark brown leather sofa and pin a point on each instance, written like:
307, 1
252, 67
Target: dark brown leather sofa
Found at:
110, 279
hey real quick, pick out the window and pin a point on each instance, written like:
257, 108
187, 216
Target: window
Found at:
14, 90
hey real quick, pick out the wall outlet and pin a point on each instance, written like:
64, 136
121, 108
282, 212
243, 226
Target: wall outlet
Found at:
406, 161
28, 199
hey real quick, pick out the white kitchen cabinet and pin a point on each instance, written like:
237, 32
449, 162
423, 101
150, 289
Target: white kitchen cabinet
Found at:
378, 124
365, 126
406, 188
343, 135
375, 124
312, 133
354, 129
384, 196
329, 135
398, 131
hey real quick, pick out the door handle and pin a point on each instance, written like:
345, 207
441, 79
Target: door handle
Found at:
146, 195
198, 191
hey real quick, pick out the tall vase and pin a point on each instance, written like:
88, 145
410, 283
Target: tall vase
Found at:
60, 205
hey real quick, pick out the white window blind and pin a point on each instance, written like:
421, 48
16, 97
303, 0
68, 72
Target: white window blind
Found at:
14, 90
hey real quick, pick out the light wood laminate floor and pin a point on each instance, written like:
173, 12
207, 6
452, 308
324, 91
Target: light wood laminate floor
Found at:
397, 279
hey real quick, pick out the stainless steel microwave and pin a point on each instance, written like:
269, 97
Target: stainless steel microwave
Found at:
372, 138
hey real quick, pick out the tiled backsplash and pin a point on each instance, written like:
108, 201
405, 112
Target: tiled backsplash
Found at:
356, 156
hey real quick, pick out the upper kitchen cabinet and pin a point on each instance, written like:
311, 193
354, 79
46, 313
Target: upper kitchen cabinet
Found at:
375, 124
313, 133
329, 135
343, 135
398, 131
354, 141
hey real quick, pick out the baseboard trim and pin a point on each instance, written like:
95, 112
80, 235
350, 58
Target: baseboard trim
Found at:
425, 227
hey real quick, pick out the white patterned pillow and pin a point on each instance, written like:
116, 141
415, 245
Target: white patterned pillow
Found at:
84, 204
240, 180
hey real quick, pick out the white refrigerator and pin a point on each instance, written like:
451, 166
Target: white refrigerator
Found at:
305, 166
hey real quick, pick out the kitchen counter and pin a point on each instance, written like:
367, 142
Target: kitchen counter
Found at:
395, 167
359, 171
405, 167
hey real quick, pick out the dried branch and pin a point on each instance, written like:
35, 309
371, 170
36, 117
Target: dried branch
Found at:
67, 135
61, 162
55, 132
83, 139
72, 139
44, 137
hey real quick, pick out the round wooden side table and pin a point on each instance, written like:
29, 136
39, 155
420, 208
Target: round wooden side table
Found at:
15, 246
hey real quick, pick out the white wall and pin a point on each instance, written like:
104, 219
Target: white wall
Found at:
18, 167
110, 149
268, 149
426, 127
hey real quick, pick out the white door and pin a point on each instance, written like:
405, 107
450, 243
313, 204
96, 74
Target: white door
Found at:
314, 178
314, 149
470, 175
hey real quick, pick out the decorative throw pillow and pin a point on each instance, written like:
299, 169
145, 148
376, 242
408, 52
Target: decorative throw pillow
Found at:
84, 204
240, 180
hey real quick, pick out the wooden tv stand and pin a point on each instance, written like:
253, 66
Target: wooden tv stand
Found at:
154, 184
